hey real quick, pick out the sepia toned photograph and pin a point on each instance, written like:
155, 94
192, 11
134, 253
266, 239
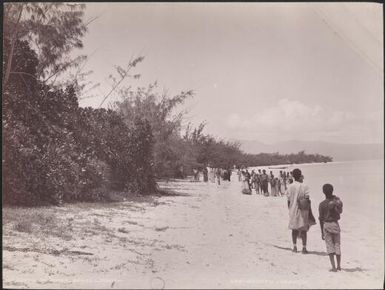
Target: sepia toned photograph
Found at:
193, 145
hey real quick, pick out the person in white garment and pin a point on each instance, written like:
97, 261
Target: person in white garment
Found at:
300, 215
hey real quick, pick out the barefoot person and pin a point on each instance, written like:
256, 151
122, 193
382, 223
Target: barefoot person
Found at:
239, 173
248, 177
212, 174
289, 178
196, 174
277, 185
218, 175
255, 181
329, 214
300, 217
264, 182
282, 179
245, 183
252, 179
205, 174
259, 180
272, 184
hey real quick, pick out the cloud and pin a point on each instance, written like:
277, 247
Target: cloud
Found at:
293, 119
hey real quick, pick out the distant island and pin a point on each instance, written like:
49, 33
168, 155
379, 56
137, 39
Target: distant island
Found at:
339, 151
264, 159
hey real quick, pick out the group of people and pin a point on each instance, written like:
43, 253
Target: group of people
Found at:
260, 181
301, 217
215, 175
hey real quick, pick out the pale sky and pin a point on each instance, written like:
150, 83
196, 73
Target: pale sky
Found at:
260, 71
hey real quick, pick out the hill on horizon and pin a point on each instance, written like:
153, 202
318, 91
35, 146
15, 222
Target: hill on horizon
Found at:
339, 152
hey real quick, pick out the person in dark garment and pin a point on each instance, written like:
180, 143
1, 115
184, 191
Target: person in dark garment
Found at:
264, 182
205, 174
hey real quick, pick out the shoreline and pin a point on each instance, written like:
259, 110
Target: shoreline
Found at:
317, 163
210, 236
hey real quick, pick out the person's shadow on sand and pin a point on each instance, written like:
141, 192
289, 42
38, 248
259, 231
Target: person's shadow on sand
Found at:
356, 269
309, 252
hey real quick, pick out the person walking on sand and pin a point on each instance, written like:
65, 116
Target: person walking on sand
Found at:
196, 174
252, 179
256, 182
300, 215
248, 178
289, 178
224, 174
264, 183
245, 183
260, 180
283, 185
218, 175
329, 214
205, 174
212, 175
281, 188
272, 184
229, 172
239, 173
277, 185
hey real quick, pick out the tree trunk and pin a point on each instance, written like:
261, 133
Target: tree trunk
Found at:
10, 56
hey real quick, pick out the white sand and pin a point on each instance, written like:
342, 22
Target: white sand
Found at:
213, 238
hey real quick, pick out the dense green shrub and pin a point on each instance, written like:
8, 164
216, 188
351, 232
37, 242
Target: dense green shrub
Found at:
55, 151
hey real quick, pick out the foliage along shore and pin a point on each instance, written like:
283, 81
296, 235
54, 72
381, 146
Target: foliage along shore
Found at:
55, 151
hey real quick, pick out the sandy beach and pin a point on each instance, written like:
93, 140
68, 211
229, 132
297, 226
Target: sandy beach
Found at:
210, 236
120, 118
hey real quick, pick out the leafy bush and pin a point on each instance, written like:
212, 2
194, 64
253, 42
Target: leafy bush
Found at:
56, 152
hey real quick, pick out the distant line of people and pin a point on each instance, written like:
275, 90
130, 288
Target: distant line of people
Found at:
260, 181
214, 175
301, 217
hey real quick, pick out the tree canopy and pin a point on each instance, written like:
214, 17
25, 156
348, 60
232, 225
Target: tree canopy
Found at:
52, 30
56, 151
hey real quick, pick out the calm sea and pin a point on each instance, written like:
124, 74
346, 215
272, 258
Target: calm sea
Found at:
360, 184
